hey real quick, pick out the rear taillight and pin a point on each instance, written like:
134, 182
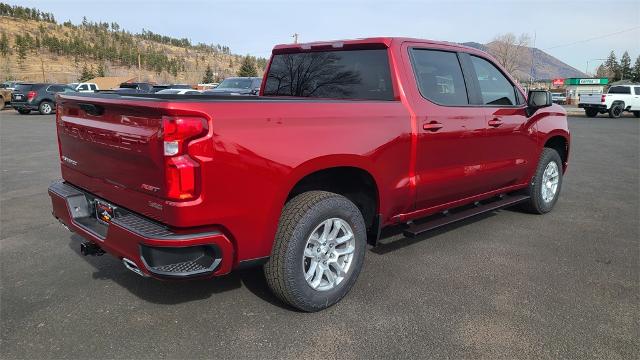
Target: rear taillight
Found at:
602, 98
180, 168
31, 95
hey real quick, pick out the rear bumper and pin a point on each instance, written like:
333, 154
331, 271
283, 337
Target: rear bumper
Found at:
23, 105
600, 107
156, 250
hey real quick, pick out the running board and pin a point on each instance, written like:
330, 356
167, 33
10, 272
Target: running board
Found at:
448, 218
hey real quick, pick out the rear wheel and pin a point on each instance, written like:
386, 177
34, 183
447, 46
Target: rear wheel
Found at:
616, 110
24, 111
591, 112
546, 184
636, 114
45, 108
318, 251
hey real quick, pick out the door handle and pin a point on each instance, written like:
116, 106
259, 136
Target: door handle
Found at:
495, 122
432, 126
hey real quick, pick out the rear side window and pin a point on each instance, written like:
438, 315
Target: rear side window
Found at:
439, 76
352, 74
84, 87
93, 87
55, 88
495, 88
620, 90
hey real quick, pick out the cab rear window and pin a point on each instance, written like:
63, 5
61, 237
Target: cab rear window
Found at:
352, 74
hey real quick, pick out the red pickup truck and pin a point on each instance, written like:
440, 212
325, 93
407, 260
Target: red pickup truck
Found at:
346, 138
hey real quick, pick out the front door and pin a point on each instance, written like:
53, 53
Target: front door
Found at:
510, 143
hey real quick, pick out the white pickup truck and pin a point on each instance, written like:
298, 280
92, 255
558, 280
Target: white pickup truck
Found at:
618, 99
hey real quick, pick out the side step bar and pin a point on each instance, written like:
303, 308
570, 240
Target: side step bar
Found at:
448, 218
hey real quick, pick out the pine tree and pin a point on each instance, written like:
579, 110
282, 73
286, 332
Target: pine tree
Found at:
248, 67
625, 66
86, 74
636, 70
4, 45
208, 75
100, 72
613, 68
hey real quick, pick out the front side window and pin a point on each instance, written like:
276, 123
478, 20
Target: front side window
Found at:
83, 87
235, 83
495, 88
637, 90
349, 74
439, 76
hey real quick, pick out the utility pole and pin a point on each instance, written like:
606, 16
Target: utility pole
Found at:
44, 79
295, 38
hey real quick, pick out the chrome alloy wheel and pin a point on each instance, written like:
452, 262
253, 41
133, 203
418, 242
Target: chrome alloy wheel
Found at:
550, 180
328, 254
46, 108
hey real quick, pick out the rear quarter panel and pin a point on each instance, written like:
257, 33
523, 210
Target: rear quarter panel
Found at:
262, 149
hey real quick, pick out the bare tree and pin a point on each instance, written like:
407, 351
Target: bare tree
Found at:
509, 50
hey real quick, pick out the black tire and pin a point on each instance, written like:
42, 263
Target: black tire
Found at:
591, 112
616, 110
636, 114
24, 111
2, 103
46, 107
536, 203
285, 270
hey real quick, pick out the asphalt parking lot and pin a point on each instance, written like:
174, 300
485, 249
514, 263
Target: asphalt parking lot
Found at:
505, 285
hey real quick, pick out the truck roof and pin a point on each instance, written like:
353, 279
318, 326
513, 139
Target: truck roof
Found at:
374, 42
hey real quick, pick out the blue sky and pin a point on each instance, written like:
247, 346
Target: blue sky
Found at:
253, 27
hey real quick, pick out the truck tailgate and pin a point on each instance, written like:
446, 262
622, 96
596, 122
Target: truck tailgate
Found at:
115, 143
590, 98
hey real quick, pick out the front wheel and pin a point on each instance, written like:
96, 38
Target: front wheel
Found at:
636, 114
545, 186
318, 251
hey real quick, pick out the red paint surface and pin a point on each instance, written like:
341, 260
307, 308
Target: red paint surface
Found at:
256, 151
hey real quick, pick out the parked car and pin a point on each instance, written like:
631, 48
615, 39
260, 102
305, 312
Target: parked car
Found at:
157, 88
618, 99
5, 97
38, 96
10, 85
84, 87
179, 92
559, 98
139, 87
341, 143
237, 86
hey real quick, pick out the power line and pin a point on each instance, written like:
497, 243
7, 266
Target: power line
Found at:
593, 38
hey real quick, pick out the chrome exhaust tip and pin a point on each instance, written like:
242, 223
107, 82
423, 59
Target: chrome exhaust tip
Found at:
129, 264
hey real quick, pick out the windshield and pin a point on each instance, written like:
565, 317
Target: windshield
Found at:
237, 83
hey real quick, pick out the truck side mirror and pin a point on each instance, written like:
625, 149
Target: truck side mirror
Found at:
538, 99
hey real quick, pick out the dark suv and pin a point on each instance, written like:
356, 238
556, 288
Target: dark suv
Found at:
40, 97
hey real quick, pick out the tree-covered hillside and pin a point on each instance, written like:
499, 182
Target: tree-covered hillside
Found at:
34, 46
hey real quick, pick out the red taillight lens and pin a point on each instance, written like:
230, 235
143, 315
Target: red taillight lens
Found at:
602, 98
180, 169
181, 177
31, 95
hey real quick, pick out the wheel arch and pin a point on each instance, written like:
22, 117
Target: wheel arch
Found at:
349, 176
560, 143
